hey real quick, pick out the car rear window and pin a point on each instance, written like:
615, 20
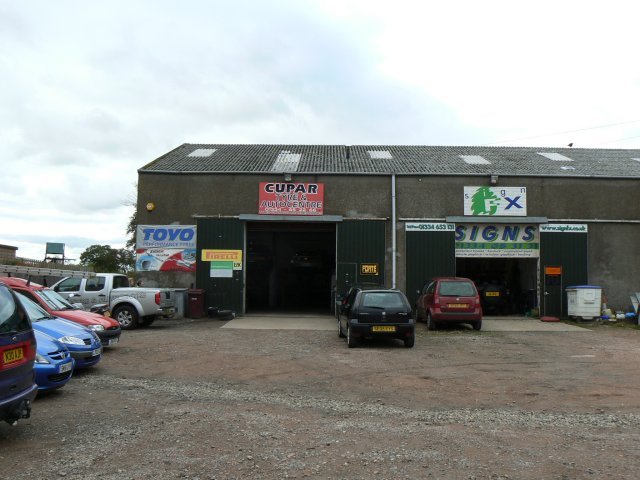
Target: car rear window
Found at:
11, 319
382, 300
457, 289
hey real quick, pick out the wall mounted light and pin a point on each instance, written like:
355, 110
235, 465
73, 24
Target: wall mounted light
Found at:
494, 180
151, 206
287, 177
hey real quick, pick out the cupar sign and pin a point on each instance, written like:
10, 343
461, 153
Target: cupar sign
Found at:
289, 198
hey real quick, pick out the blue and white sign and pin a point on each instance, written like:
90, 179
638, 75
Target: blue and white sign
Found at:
430, 227
166, 236
495, 201
499, 240
565, 227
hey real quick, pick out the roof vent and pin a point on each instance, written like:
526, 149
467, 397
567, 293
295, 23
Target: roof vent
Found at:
566, 167
202, 152
556, 157
380, 154
286, 162
475, 160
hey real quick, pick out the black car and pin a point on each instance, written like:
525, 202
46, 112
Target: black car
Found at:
376, 313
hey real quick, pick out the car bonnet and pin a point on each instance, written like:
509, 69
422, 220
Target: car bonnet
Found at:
59, 328
47, 343
86, 318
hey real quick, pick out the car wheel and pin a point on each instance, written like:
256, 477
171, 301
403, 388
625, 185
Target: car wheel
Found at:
126, 316
431, 324
410, 341
351, 341
477, 325
340, 334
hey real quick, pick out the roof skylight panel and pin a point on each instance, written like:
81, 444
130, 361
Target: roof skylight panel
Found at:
286, 162
380, 154
202, 152
475, 160
556, 157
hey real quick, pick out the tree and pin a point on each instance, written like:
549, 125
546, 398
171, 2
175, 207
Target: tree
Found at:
132, 226
103, 258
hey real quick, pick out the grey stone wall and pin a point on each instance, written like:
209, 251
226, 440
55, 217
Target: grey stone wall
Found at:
614, 249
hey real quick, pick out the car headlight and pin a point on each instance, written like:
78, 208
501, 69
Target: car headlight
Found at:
71, 340
41, 359
96, 328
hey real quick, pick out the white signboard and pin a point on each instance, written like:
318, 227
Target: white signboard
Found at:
430, 227
564, 228
495, 201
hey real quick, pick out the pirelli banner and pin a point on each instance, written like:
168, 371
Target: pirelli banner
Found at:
497, 240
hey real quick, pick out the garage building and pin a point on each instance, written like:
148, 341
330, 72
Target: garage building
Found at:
289, 227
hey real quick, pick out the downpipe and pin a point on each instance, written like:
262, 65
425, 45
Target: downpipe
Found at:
393, 231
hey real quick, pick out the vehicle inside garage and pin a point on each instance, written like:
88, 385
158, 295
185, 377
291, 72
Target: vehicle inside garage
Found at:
290, 266
507, 286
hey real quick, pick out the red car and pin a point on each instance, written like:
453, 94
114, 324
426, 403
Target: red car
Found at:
107, 329
449, 300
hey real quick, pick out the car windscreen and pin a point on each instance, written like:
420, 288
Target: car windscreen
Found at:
382, 300
34, 311
11, 321
53, 300
457, 289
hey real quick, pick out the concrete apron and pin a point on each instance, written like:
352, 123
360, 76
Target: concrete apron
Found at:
328, 322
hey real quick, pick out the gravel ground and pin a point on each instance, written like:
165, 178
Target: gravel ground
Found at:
186, 399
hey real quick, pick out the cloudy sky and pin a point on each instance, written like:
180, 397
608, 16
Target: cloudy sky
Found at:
92, 91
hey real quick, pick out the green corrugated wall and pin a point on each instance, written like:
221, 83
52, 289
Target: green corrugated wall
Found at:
228, 234
428, 254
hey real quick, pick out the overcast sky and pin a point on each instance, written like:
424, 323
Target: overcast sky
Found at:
92, 91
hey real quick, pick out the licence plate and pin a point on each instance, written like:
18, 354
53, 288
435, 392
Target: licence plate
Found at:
96, 352
65, 367
383, 328
13, 355
458, 305
492, 294
113, 341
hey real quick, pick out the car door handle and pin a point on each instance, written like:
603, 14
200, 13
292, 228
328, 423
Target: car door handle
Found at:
101, 295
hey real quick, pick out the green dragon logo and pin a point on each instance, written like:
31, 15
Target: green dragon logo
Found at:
484, 202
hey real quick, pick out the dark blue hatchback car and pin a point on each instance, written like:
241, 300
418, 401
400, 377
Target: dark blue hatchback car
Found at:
17, 354
54, 364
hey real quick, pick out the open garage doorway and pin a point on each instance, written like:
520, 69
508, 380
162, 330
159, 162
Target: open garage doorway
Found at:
507, 286
290, 267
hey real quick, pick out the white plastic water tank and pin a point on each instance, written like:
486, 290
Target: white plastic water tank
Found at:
584, 301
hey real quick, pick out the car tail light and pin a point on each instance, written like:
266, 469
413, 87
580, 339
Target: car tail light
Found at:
157, 298
436, 301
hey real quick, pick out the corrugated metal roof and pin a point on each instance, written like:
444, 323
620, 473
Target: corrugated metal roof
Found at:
401, 160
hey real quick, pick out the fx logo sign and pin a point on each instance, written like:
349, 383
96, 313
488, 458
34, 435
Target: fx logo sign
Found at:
490, 201
512, 202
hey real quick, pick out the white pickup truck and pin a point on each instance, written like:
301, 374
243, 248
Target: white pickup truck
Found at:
131, 306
